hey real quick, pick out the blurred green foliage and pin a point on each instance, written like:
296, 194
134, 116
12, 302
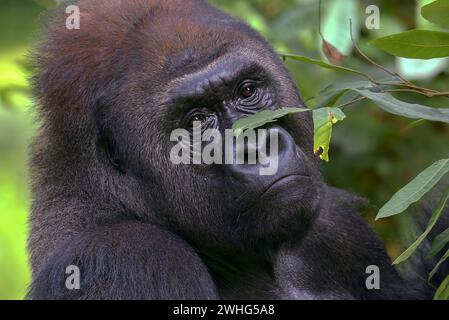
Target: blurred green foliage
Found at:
373, 153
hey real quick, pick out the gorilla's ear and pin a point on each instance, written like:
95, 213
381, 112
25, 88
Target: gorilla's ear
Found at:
107, 147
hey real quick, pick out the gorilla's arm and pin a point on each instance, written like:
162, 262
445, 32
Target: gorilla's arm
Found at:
125, 261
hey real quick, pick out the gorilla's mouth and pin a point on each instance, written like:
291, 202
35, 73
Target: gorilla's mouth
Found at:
281, 183
287, 187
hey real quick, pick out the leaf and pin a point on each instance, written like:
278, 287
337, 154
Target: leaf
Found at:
13, 74
433, 220
438, 265
336, 24
359, 84
320, 63
330, 99
289, 24
437, 12
418, 69
323, 120
261, 118
442, 292
247, 12
409, 110
332, 54
416, 123
417, 44
415, 190
439, 243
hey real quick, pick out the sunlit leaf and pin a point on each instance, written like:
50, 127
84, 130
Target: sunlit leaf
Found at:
418, 69
12, 74
323, 120
437, 12
416, 44
433, 220
261, 118
415, 190
336, 24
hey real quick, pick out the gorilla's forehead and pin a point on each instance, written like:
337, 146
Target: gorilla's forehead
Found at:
189, 59
178, 42
200, 37
168, 35
143, 45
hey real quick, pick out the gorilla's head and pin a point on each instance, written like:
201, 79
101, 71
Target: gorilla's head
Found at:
113, 91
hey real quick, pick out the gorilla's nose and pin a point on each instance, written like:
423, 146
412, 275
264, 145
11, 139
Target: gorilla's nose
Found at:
273, 153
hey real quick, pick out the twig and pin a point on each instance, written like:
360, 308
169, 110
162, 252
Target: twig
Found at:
409, 86
360, 98
429, 94
394, 74
319, 20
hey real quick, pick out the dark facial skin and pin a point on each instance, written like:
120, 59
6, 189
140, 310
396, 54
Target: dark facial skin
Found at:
108, 199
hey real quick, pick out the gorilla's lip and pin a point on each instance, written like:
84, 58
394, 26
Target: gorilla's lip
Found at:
276, 186
281, 181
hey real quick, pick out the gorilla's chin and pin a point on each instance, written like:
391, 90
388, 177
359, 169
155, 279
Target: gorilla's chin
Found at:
285, 208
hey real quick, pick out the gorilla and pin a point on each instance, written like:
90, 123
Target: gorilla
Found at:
108, 200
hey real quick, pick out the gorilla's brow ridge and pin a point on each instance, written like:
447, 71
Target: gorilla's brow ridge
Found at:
213, 76
191, 59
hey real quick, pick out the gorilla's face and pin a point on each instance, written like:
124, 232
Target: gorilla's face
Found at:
214, 73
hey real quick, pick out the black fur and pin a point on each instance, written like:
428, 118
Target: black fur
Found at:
108, 199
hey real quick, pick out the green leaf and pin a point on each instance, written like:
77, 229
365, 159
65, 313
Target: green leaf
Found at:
359, 84
418, 69
261, 118
437, 12
13, 74
433, 220
289, 25
438, 265
442, 292
320, 63
416, 44
415, 190
323, 120
439, 243
247, 12
330, 99
336, 23
409, 110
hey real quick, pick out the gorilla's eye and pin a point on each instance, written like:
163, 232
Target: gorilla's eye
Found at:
205, 118
200, 118
247, 91
249, 95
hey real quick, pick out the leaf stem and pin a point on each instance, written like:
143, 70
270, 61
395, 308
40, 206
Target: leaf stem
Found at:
409, 86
